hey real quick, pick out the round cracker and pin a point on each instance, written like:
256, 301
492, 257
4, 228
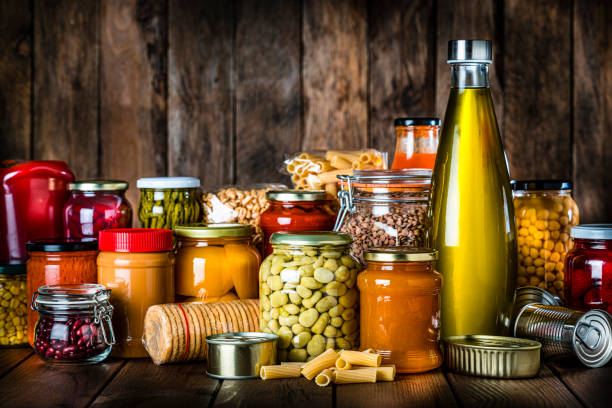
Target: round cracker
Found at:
221, 322
253, 308
205, 329
243, 321
200, 330
249, 319
196, 335
173, 332
232, 322
209, 318
189, 330
180, 332
157, 334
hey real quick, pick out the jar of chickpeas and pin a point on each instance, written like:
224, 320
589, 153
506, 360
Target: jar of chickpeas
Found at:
308, 294
13, 305
545, 213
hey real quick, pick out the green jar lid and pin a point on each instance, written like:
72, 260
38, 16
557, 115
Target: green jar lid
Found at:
98, 185
310, 238
296, 195
401, 254
213, 230
13, 268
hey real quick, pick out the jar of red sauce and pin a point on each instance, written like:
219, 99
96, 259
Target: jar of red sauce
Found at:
295, 210
400, 307
588, 266
95, 205
59, 262
417, 143
32, 197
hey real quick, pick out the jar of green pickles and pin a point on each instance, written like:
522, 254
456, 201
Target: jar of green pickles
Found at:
166, 202
13, 305
308, 294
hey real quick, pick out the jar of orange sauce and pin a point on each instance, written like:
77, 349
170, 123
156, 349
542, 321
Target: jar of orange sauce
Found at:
137, 266
400, 307
215, 262
417, 143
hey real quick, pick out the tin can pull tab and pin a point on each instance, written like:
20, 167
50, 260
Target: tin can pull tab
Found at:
588, 335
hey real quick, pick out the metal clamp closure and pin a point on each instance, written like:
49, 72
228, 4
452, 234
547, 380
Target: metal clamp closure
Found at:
346, 202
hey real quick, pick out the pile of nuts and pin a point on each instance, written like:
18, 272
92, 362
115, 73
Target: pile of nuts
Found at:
73, 339
399, 226
13, 311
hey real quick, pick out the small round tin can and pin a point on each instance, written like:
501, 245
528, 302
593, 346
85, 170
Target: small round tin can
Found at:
563, 331
531, 295
240, 355
492, 356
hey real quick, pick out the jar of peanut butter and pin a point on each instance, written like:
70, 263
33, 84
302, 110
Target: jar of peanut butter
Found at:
137, 266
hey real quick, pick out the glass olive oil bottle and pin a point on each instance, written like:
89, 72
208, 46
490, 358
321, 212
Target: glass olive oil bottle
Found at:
471, 204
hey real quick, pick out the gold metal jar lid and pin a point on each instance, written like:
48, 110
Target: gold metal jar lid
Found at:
310, 238
492, 356
98, 185
401, 254
213, 230
240, 355
296, 195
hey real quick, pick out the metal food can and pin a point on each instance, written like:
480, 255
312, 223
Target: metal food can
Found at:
564, 331
531, 295
241, 355
492, 356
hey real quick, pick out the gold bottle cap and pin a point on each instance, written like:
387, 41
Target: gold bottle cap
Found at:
213, 230
401, 254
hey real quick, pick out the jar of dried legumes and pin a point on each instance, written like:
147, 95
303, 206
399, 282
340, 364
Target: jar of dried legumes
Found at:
384, 208
308, 294
544, 212
74, 324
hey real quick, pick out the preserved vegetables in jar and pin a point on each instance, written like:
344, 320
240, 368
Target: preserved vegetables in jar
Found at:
13, 305
308, 294
588, 277
400, 308
545, 212
417, 143
215, 261
95, 205
169, 201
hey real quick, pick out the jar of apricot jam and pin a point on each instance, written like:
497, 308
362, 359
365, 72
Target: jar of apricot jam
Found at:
588, 278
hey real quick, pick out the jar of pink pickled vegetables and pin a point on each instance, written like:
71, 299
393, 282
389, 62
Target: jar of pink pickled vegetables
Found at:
95, 205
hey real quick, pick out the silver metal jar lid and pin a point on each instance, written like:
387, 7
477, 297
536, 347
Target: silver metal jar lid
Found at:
592, 339
240, 355
477, 51
592, 231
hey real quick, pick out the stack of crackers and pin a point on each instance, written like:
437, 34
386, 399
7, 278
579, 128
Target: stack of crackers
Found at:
176, 332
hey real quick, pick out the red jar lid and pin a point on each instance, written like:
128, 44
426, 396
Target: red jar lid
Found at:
135, 240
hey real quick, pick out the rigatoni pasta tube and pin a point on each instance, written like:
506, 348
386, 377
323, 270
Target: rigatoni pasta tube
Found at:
330, 176
325, 360
383, 373
325, 377
272, 372
363, 375
339, 163
361, 358
293, 363
342, 364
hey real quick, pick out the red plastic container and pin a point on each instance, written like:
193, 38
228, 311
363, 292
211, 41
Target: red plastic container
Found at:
32, 197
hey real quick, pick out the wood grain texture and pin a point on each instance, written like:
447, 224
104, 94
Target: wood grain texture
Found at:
422, 390
133, 104
272, 393
593, 110
590, 385
465, 20
162, 386
268, 93
15, 80
401, 38
200, 94
335, 74
544, 390
35, 384
9, 358
537, 98
66, 91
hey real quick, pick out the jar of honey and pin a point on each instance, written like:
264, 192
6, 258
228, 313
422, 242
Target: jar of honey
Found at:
215, 261
400, 307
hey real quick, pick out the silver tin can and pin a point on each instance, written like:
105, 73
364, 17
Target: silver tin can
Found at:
531, 295
240, 355
564, 331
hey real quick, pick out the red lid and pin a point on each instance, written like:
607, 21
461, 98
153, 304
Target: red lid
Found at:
135, 240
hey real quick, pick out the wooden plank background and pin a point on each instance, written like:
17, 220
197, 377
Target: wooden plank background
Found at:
222, 90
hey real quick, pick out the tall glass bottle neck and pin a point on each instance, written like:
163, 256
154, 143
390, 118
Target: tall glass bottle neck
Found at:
470, 75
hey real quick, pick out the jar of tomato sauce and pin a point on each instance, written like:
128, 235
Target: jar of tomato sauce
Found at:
295, 210
588, 277
417, 143
59, 262
400, 307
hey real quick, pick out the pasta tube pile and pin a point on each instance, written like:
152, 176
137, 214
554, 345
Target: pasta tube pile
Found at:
345, 367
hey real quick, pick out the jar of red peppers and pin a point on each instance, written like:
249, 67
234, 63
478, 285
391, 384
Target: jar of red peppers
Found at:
588, 277
74, 324
295, 210
95, 205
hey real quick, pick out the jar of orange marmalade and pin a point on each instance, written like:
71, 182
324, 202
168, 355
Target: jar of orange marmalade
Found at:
400, 307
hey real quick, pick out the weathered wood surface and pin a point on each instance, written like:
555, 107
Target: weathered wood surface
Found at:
591, 387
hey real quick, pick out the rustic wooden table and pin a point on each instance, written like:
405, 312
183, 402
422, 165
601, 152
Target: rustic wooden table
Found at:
27, 382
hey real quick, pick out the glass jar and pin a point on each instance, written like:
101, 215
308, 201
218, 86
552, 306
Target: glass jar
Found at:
215, 261
95, 205
308, 294
32, 196
74, 324
417, 143
138, 266
588, 277
169, 201
384, 208
59, 262
295, 210
544, 212
400, 308
13, 305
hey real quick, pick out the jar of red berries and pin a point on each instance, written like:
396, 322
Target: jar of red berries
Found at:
74, 324
588, 280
